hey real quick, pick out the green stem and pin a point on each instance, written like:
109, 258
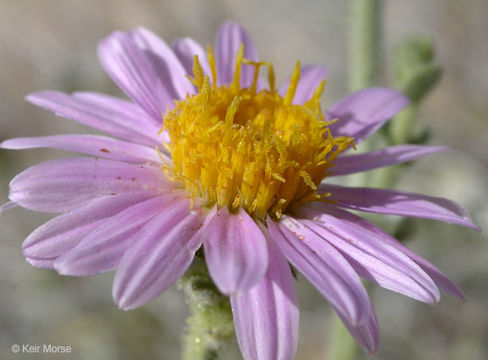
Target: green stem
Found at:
365, 31
210, 324
365, 28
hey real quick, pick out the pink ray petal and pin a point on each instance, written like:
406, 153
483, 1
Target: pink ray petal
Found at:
57, 236
101, 114
100, 146
402, 203
7, 206
368, 255
164, 61
133, 71
64, 184
102, 248
159, 257
323, 266
266, 317
229, 38
439, 278
235, 251
366, 335
362, 113
351, 164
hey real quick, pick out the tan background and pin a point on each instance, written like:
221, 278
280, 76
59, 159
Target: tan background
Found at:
51, 44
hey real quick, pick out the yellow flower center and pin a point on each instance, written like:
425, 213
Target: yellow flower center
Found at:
238, 147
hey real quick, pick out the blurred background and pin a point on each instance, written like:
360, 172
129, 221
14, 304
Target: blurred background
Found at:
51, 44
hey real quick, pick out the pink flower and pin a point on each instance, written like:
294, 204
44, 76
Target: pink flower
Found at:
238, 169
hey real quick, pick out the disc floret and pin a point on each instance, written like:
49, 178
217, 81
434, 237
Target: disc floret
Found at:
250, 147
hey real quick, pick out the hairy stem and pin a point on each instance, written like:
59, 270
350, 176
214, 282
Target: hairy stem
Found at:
210, 324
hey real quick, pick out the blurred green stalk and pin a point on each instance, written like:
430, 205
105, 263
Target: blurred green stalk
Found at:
365, 28
364, 45
342, 345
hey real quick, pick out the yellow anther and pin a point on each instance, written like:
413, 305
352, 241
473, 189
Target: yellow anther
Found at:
213, 67
231, 111
315, 99
279, 177
197, 72
237, 202
292, 88
257, 65
205, 91
237, 70
308, 179
271, 78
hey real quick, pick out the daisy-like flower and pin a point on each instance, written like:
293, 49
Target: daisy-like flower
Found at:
207, 153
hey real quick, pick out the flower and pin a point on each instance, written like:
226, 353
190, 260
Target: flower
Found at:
237, 167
